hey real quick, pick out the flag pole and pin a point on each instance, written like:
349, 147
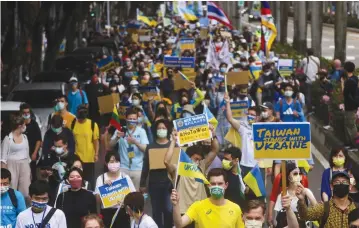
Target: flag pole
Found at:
176, 179
284, 178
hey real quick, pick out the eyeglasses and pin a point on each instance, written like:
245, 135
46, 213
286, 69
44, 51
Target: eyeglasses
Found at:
345, 182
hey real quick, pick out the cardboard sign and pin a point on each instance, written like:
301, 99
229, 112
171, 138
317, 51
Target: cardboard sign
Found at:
181, 83
106, 103
106, 64
134, 37
238, 78
282, 141
144, 38
203, 33
239, 109
114, 194
226, 34
285, 67
192, 129
178, 62
156, 157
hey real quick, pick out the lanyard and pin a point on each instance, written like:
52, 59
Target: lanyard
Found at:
139, 221
33, 219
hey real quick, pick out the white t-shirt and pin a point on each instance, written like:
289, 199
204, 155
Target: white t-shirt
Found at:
27, 219
310, 67
146, 222
99, 183
247, 145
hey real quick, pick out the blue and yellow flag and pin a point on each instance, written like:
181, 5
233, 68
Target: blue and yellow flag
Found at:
211, 119
145, 19
187, 168
187, 14
255, 182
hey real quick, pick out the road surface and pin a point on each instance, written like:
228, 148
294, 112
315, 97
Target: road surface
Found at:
327, 40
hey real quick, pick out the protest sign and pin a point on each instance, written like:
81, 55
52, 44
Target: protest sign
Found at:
226, 34
238, 78
181, 83
122, 112
156, 157
134, 37
106, 64
192, 129
178, 62
285, 67
204, 33
187, 43
114, 194
144, 38
282, 141
107, 102
239, 109
149, 90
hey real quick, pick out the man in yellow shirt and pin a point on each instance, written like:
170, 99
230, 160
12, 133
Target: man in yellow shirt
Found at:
214, 211
61, 109
86, 133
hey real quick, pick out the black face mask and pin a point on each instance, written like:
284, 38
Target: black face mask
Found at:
161, 111
82, 115
241, 96
341, 190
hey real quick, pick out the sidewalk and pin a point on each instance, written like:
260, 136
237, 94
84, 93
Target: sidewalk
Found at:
349, 29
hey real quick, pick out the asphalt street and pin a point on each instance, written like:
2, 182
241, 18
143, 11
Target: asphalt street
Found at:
327, 40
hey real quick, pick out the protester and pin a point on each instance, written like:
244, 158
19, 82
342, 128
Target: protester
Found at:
92, 221
353, 218
15, 155
77, 202
292, 221
134, 203
253, 214
61, 108
12, 201
213, 211
33, 135
289, 109
40, 214
76, 96
337, 72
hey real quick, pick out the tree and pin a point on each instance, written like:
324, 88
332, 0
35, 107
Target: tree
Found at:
302, 27
340, 30
296, 26
284, 8
316, 8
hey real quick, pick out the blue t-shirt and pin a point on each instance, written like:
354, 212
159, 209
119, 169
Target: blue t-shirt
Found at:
75, 100
124, 148
286, 111
8, 212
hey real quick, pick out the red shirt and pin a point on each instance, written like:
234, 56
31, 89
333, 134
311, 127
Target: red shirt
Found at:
277, 189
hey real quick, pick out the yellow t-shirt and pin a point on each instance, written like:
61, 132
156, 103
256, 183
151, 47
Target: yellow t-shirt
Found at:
84, 142
205, 214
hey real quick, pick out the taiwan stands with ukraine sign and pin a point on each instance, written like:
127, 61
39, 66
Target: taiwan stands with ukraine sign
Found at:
115, 194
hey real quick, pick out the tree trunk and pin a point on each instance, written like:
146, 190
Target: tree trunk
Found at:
284, 8
340, 31
316, 26
302, 27
296, 26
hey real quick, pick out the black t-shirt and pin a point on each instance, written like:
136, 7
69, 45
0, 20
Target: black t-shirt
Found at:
232, 193
33, 135
354, 197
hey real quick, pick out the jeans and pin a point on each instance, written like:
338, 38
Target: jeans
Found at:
161, 203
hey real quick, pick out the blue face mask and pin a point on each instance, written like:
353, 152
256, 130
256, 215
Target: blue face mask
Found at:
38, 206
223, 70
26, 117
202, 65
132, 122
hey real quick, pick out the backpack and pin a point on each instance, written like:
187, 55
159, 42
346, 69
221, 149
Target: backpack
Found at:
13, 197
326, 213
92, 126
82, 96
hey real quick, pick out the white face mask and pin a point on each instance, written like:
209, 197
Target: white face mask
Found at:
4, 189
210, 76
136, 102
264, 115
288, 93
296, 179
59, 150
113, 167
162, 133
253, 224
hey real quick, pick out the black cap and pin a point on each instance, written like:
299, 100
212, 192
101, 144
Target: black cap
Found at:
268, 105
340, 174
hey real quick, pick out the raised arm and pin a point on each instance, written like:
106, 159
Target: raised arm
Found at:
235, 123
171, 169
214, 148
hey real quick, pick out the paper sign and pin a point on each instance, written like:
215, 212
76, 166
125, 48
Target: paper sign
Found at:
238, 78
149, 90
114, 194
122, 112
187, 43
156, 157
106, 103
204, 33
192, 129
178, 62
239, 109
106, 64
226, 34
285, 67
282, 141
144, 38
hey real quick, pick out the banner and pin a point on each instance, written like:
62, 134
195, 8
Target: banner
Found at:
192, 129
282, 141
285, 67
178, 62
239, 109
106, 64
114, 194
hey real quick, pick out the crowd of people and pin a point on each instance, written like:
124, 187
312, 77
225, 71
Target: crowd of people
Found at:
59, 186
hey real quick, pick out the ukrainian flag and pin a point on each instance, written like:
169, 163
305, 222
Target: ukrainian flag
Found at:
187, 168
145, 20
255, 71
211, 119
187, 14
255, 182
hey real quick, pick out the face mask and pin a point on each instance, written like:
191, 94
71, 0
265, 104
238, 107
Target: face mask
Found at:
264, 115
136, 102
59, 150
216, 191
227, 165
242, 97
37, 206
132, 122
113, 89
288, 93
116, 79
296, 179
4, 189
253, 224
338, 161
23, 129
210, 76
60, 105
26, 117
113, 167
238, 59
75, 183
202, 65
221, 89
267, 73
81, 115
162, 133
244, 63
223, 70
251, 119
352, 181
340, 190
56, 130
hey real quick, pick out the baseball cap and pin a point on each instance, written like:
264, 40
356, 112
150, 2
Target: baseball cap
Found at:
268, 105
340, 174
73, 79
